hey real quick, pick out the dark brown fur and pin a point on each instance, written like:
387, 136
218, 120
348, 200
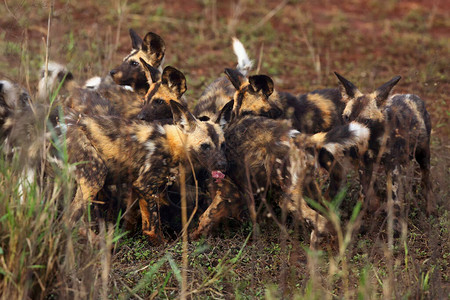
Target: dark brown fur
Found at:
132, 72
213, 99
310, 113
273, 154
170, 87
141, 154
400, 125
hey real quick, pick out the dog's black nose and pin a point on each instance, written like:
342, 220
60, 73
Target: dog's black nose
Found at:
141, 116
113, 72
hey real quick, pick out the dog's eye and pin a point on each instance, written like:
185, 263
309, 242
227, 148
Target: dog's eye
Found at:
134, 63
205, 147
346, 118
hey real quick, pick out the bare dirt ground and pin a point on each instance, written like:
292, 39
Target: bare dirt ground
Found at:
299, 44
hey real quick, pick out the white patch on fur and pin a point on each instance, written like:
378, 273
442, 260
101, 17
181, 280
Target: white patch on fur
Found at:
360, 135
359, 130
293, 133
48, 85
128, 88
7, 90
244, 62
150, 146
25, 181
160, 129
93, 83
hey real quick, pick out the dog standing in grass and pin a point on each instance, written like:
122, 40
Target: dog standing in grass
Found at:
400, 129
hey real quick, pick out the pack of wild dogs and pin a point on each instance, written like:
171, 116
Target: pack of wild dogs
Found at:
243, 144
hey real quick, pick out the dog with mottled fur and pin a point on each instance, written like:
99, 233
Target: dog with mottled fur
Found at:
151, 49
317, 111
221, 91
144, 155
263, 151
169, 86
400, 130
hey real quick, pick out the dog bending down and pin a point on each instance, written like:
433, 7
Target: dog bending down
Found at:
144, 155
274, 154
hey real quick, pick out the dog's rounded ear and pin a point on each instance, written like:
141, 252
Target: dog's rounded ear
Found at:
348, 89
235, 77
382, 93
151, 73
154, 45
136, 41
224, 116
174, 80
261, 84
182, 116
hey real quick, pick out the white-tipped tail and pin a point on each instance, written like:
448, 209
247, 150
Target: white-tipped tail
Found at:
343, 137
244, 62
93, 83
48, 85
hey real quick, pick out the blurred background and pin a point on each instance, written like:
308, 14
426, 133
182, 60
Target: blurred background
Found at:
298, 43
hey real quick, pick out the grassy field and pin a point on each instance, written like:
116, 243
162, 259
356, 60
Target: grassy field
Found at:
299, 44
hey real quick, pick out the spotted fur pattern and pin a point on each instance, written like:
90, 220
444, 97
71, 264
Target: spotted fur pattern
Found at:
144, 155
221, 91
265, 153
400, 129
170, 87
131, 72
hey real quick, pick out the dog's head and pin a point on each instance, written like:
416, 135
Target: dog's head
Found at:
203, 141
252, 95
131, 72
364, 108
170, 87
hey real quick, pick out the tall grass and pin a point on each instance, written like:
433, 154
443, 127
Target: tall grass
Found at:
41, 258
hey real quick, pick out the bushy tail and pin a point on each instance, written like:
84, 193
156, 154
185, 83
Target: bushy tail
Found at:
341, 138
244, 62
56, 74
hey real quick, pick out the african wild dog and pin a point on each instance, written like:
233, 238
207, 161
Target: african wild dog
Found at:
170, 86
314, 112
145, 155
262, 151
400, 129
131, 72
13, 99
220, 91
108, 99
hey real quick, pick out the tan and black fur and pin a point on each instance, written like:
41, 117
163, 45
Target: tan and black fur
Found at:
400, 130
314, 112
131, 72
221, 91
145, 155
170, 87
274, 154
107, 99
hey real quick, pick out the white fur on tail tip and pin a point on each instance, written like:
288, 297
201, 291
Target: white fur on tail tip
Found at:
93, 83
360, 131
360, 135
244, 63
